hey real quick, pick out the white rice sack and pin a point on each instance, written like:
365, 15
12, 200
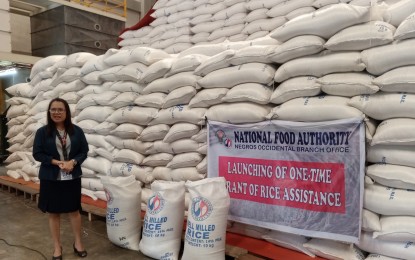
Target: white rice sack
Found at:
186, 63
111, 74
162, 173
198, 19
229, 11
379, 257
43, 85
294, 88
226, 31
315, 109
162, 227
391, 154
85, 101
183, 44
232, 76
202, 166
406, 29
64, 87
20, 110
204, 49
333, 250
160, 159
180, 131
361, 37
141, 173
71, 97
154, 100
296, 47
388, 201
45, 63
179, 96
184, 160
370, 221
186, 174
348, 84
122, 86
320, 64
127, 131
399, 11
238, 18
95, 89
148, 56
69, 75
257, 4
166, 85
300, 11
97, 63
396, 228
155, 71
324, 23
109, 155
123, 99
128, 156
133, 115
105, 128
184, 146
132, 71
180, 113
207, 218
201, 136
154, 132
208, 97
215, 62
249, 92
395, 176
105, 98
123, 211
381, 59
286, 7
287, 240
238, 37
207, 26
399, 250
97, 113
98, 164
99, 141
211, 8
257, 53
93, 184
257, 14
401, 79
239, 112
160, 147
395, 131
381, 106
370, 128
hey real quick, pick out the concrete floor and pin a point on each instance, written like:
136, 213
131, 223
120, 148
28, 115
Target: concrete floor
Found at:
24, 225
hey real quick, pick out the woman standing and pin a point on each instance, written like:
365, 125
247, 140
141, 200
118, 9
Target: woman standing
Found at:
61, 147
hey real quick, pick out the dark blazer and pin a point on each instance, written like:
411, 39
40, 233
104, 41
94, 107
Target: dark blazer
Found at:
44, 150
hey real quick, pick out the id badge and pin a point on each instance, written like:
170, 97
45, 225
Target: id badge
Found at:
65, 176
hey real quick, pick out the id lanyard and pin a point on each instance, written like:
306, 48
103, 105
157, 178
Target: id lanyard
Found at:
62, 139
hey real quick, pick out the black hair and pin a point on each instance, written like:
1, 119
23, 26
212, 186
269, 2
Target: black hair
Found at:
67, 123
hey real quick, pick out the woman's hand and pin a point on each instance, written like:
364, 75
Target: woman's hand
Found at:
66, 166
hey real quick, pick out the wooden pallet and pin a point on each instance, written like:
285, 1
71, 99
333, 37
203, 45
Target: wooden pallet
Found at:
29, 189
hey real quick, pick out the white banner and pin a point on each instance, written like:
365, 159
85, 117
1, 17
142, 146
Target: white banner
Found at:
302, 178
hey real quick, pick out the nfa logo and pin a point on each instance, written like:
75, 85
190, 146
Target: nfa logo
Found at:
201, 208
223, 139
155, 203
109, 196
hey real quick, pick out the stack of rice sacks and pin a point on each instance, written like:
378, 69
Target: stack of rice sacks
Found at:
144, 110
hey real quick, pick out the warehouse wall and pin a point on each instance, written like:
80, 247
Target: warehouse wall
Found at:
5, 36
20, 34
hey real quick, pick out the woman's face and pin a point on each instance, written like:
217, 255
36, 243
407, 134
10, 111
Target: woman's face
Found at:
57, 112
